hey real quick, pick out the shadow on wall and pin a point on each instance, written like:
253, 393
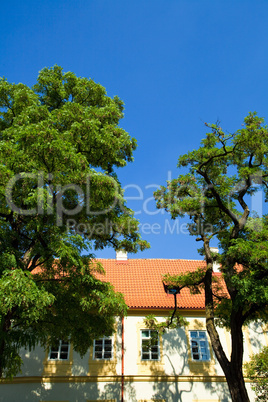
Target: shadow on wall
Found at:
77, 392
175, 342
256, 338
90, 391
32, 361
108, 393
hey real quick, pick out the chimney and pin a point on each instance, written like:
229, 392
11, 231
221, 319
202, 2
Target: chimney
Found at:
216, 265
121, 255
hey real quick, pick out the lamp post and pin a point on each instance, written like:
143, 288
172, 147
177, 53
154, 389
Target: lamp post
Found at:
172, 290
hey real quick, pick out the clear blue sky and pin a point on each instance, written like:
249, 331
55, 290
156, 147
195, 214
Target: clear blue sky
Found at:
175, 64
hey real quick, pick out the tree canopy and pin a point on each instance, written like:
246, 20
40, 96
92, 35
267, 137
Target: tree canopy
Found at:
60, 199
215, 193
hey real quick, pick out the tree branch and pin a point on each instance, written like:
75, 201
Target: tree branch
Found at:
217, 197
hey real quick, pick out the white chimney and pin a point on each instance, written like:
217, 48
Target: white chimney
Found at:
216, 265
121, 255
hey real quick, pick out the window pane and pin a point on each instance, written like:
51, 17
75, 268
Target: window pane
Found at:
65, 343
149, 345
145, 334
103, 348
145, 345
145, 356
53, 355
59, 351
199, 346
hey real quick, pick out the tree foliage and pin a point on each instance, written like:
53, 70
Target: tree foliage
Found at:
215, 193
60, 199
257, 372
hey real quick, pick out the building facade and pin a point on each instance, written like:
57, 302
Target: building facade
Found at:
136, 364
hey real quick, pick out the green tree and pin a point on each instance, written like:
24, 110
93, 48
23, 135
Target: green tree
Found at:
221, 175
60, 198
257, 372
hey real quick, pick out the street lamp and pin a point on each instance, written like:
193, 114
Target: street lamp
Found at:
172, 290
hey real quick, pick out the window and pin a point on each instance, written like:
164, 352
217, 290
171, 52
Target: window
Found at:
103, 348
59, 351
149, 345
199, 346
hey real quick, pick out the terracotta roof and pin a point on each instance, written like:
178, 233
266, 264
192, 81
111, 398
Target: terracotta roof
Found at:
140, 280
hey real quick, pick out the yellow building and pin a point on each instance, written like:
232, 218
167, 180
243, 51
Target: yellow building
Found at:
136, 364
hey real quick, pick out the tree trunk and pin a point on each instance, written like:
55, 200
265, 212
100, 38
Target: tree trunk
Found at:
232, 368
5, 326
236, 384
236, 381
2, 348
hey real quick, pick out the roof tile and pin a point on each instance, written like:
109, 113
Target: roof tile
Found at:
141, 282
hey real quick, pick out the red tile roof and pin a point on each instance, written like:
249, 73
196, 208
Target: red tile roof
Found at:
140, 280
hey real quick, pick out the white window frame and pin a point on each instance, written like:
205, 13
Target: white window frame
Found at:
150, 352
199, 346
102, 340
61, 345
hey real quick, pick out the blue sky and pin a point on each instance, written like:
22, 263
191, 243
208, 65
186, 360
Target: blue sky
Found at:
176, 64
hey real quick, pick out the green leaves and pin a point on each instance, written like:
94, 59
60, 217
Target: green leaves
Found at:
257, 372
60, 199
223, 173
161, 327
18, 290
192, 280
